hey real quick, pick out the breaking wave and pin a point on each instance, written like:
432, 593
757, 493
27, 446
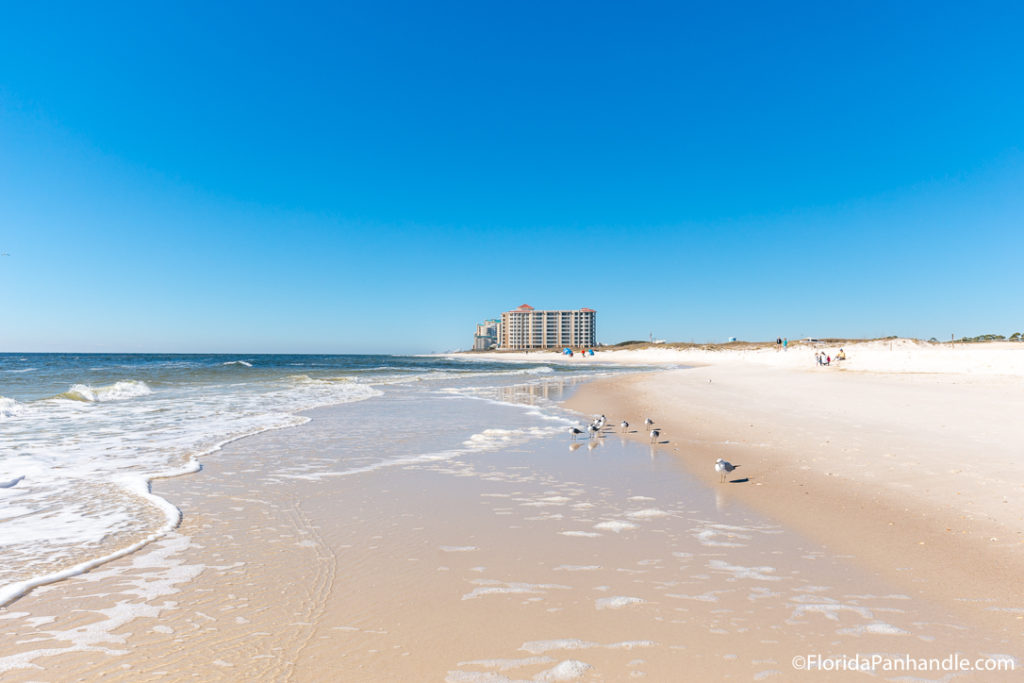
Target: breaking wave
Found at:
9, 407
112, 392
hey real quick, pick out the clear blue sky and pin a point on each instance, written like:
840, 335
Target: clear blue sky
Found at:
344, 177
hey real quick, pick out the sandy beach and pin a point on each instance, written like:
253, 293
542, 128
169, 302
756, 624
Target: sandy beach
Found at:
373, 343
873, 511
907, 458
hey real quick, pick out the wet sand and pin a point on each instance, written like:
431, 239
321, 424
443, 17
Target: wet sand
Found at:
539, 560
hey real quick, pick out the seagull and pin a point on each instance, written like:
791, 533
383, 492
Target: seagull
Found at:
723, 467
655, 433
624, 425
594, 430
648, 422
575, 432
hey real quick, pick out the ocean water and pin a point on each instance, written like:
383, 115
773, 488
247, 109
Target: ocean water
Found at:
82, 435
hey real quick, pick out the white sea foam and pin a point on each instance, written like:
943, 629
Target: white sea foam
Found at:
540, 370
539, 647
630, 644
238, 362
158, 573
738, 572
568, 670
577, 567
648, 513
494, 587
617, 602
722, 536
493, 439
9, 407
877, 628
615, 525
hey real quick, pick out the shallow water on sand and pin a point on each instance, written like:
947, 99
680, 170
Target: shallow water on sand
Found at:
455, 533
81, 435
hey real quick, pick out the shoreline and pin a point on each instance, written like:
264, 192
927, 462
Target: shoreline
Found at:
821, 472
494, 543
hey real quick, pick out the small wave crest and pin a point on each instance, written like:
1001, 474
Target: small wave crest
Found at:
9, 407
238, 362
306, 379
541, 370
112, 392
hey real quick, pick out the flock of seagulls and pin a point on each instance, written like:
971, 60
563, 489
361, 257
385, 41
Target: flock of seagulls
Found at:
594, 429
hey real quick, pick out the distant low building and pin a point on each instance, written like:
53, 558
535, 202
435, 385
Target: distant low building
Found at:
527, 328
486, 336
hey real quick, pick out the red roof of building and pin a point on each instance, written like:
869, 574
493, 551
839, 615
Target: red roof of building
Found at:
525, 307
588, 310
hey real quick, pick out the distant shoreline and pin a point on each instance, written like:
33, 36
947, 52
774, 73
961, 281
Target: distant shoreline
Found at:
901, 356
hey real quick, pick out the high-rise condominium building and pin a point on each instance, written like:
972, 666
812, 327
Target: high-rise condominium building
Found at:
486, 336
527, 328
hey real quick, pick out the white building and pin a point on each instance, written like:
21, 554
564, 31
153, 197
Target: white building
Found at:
527, 328
486, 336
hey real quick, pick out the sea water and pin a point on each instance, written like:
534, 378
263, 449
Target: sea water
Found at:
82, 435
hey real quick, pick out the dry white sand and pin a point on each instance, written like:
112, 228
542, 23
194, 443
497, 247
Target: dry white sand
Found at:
901, 356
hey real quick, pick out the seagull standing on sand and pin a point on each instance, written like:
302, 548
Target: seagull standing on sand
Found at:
575, 432
624, 425
594, 430
648, 423
723, 467
655, 433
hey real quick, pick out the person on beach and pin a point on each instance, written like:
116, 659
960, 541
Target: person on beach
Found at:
778, 344
785, 344
817, 357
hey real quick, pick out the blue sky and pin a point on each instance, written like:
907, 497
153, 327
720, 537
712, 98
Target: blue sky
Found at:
378, 177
